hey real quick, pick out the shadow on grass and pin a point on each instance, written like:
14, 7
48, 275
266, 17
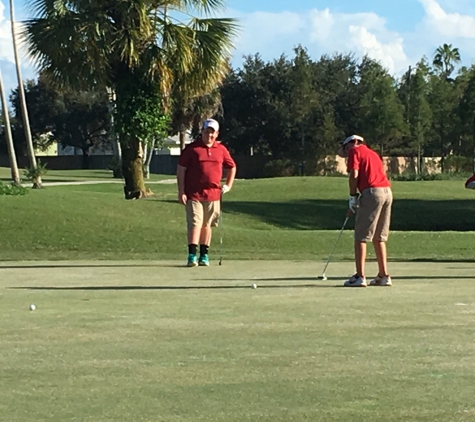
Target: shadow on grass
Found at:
404, 277
61, 176
320, 214
80, 179
94, 288
53, 266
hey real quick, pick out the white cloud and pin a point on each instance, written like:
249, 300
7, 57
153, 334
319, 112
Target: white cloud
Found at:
6, 49
7, 58
361, 33
451, 25
439, 26
390, 54
264, 29
326, 32
321, 32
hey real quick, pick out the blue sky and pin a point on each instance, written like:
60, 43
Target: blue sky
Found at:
402, 13
398, 33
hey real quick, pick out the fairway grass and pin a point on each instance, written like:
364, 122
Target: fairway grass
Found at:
153, 341
290, 218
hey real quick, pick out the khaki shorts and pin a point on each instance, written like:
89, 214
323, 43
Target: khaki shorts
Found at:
202, 214
374, 215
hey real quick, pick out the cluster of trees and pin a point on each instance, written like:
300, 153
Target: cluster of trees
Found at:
297, 109
152, 63
80, 119
129, 73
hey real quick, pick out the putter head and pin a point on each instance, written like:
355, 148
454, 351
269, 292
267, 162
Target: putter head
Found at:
220, 261
323, 277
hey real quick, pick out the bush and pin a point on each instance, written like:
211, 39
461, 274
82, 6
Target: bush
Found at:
458, 163
326, 166
410, 176
11, 189
32, 174
279, 168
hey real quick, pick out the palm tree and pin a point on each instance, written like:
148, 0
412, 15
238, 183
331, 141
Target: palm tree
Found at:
445, 59
134, 47
24, 110
190, 112
11, 149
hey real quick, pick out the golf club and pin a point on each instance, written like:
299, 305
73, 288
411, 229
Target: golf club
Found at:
323, 276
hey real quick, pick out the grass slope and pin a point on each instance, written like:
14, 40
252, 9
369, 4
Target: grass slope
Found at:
291, 218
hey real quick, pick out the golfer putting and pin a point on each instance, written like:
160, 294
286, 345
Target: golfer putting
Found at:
199, 173
370, 201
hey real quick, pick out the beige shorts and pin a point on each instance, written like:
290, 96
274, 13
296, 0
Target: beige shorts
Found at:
202, 214
374, 215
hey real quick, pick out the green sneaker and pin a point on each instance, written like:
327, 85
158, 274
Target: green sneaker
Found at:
192, 260
204, 261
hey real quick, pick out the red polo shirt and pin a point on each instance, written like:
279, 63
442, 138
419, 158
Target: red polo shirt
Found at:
204, 169
370, 168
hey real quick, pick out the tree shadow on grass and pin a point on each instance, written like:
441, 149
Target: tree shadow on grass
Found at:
320, 214
94, 265
404, 277
221, 287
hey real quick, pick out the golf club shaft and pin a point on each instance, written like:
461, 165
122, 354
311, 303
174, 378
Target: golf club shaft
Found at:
334, 246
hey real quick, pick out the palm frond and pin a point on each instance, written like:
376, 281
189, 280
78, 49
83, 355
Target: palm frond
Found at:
206, 7
84, 42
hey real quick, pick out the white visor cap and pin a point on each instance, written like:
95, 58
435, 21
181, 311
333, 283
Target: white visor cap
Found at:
213, 124
352, 138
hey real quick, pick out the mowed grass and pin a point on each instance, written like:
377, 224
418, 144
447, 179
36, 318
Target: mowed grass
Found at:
74, 176
290, 218
150, 340
155, 342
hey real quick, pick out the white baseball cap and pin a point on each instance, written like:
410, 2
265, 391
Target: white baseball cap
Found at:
352, 138
213, 124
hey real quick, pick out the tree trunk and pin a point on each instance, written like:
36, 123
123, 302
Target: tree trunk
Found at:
8, 134
442, 152
419, 159
37, 183
146, 149
85, 158
148, 160
116, 148
182, 139
132, 168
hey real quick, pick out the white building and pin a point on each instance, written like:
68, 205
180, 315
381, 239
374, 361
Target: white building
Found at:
172, 145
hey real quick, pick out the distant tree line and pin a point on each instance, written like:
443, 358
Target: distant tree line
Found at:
294, 111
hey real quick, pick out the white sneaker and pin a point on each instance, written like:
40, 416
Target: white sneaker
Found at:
385, 280
355, 281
